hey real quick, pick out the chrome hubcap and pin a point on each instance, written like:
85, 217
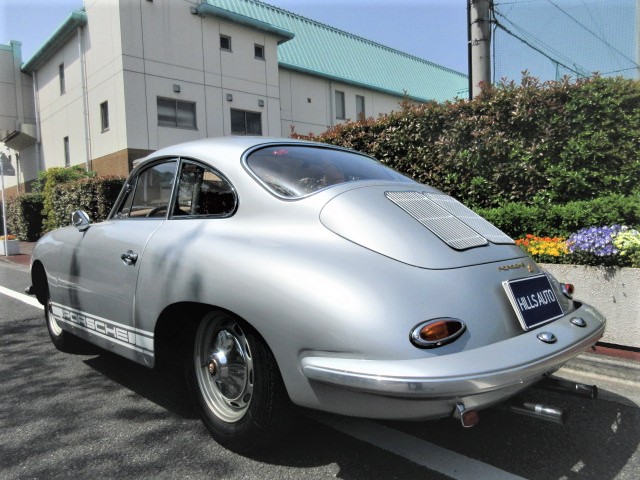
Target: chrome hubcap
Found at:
55, 328
224, 368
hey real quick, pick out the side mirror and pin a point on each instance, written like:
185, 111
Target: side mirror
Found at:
80, 220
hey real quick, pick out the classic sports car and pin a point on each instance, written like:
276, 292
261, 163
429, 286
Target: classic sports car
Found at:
289, 271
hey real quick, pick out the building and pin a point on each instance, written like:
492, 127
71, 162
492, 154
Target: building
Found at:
121, 78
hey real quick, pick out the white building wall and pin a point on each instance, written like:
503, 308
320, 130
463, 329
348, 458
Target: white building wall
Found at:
104, 66
137, 51
308, 102
16, 110
165, 47
62, 114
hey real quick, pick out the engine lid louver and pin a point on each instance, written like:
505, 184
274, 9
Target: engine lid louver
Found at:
452, 222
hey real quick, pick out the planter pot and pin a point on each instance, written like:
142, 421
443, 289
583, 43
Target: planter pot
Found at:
13, 247
614, 291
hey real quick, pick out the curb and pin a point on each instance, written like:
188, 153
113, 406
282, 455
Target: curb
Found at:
608, 366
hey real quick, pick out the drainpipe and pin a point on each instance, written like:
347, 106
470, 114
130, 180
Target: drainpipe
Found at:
85, 98
36, 98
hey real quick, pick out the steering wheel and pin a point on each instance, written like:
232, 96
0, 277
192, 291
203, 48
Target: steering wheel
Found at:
153, 211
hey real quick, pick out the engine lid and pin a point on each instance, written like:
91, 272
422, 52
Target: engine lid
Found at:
421, 227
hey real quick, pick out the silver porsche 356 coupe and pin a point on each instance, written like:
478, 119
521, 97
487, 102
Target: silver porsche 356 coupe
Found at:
283, 271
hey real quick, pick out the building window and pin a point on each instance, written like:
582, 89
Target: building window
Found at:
259, 51
67, 154
61, 77
340, 105
360, 114
225, 43
174, 113
104, 116
245, 123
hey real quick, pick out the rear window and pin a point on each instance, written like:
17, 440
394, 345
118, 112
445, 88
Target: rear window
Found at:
296, 171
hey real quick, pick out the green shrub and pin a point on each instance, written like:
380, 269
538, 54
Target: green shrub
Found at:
95, 195
48, 181
534, 143
24, 216
518, 220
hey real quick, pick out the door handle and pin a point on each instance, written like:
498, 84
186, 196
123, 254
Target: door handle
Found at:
129, 258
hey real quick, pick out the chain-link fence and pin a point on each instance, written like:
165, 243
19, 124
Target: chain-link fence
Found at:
553, 38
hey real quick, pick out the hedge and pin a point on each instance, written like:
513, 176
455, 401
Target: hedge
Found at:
94, 195
518, 220
24, 216
534, 143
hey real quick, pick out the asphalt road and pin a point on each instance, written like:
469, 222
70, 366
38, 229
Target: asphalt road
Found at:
100, 416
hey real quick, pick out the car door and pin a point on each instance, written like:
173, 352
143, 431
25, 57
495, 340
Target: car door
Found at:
104, 262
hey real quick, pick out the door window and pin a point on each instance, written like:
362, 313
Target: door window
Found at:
148, 195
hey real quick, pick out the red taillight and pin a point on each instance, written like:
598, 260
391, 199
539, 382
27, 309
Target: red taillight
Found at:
437, 332
567, 289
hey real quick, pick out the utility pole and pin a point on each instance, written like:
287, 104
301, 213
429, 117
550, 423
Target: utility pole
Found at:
479, 13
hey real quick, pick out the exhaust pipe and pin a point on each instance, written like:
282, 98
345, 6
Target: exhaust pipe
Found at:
540, 411
565, 386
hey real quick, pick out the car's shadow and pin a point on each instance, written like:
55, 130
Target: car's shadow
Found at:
102, 415
597, 440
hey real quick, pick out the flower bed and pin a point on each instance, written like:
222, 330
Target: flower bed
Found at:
594, 260
614, 246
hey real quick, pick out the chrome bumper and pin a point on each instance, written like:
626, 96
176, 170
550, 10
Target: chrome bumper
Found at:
517, 361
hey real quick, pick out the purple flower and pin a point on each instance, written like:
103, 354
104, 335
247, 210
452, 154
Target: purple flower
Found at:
595, 240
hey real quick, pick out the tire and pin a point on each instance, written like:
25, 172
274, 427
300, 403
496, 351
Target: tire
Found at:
236, 385
64, 341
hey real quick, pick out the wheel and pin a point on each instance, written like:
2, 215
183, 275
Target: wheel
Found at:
236, 384
64, 341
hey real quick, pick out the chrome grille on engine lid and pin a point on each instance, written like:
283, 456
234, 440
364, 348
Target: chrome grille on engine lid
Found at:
472, 219
448, 219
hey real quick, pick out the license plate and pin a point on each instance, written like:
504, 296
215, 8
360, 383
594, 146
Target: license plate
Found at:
533, 300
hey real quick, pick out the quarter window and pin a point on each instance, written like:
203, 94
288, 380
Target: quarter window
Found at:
149, 194
203, 192
245, 123
340, 105
175, 113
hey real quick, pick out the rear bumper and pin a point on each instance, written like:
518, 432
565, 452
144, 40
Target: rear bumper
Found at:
509, 365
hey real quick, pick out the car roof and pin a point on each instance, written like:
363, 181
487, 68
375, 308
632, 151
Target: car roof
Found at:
224, 149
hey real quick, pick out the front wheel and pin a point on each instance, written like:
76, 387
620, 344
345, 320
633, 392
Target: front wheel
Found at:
64, 341
236, 384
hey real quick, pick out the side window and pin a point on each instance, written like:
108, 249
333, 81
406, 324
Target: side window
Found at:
149, 194
204, 192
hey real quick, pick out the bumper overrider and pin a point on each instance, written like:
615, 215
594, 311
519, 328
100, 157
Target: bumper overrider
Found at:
520, 360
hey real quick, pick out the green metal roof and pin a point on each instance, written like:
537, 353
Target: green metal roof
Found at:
64, 32
325, 51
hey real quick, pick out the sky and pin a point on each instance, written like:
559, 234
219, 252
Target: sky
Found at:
433, 30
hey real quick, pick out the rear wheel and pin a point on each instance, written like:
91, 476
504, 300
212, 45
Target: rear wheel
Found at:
236, 384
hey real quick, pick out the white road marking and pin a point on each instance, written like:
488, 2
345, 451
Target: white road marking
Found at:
423, 453
22, 297
418, 451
